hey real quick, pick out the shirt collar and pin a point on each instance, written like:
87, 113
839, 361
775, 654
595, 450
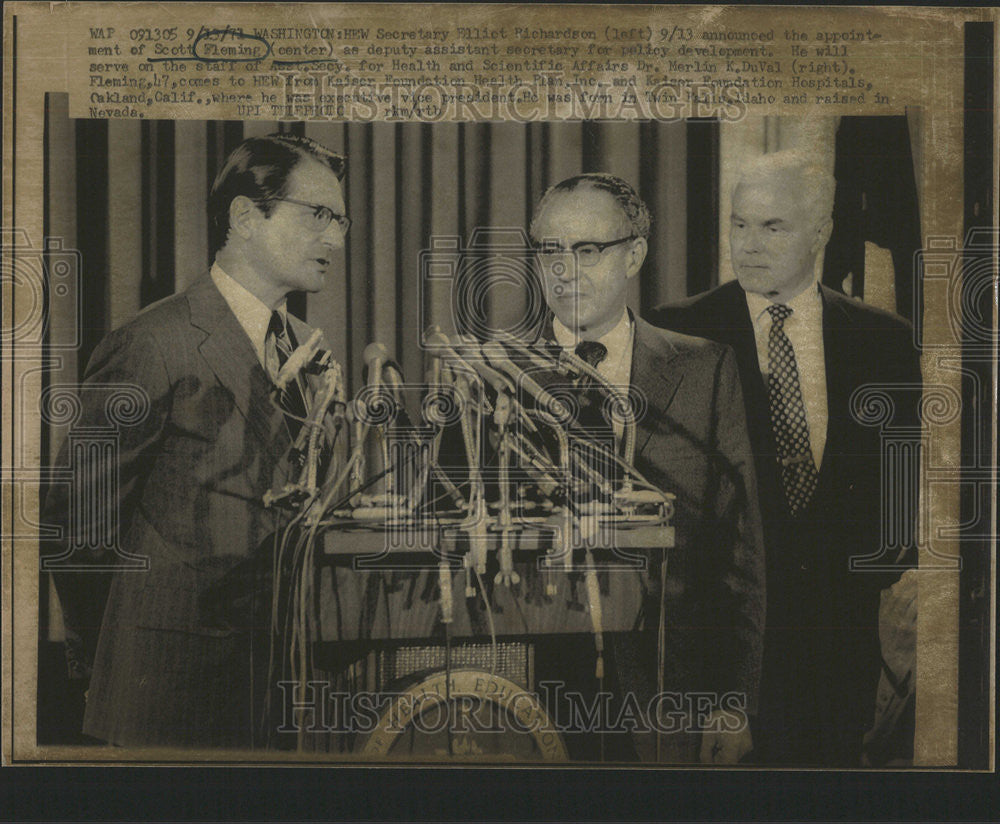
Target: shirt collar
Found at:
253, 314
806, 305
616, 340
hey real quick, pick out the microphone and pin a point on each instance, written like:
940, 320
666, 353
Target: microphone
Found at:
577, 364
432, 375
497, 355
321, 361
500, 383
544, 357
384, 371
437, 338
394, 378
375, 356
504, 386
392, 372
329, 395
581, 367
574, 363
298, 360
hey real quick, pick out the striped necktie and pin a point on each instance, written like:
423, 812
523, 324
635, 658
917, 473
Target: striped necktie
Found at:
591, 418
278, 347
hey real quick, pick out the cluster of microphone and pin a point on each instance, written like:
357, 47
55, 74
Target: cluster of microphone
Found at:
513, 390
496, 455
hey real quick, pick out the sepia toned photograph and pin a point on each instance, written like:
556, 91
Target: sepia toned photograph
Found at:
550, 391
458, 294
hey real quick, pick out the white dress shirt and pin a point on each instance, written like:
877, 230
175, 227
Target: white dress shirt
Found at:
616, 367
804, 328
252, 313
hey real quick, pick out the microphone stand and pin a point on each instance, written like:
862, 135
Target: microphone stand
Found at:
505, 522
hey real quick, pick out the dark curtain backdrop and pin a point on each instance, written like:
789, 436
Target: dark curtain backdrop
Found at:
876, 202
130, 195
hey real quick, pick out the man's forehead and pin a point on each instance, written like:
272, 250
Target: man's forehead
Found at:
315, 182
780, 191
581, 210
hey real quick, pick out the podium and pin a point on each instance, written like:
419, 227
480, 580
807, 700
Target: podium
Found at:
472, 532
548, 598
382, 597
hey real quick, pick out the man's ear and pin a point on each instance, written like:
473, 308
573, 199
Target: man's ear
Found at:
823, 232
242, 214
636, 256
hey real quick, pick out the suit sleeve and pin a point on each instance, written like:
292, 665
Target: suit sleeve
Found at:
910, 376
894, 370
735, 596
125, 392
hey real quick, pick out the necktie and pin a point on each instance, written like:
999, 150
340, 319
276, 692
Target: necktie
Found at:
278, 348
788, 415
591, 352
590, 416
591, 419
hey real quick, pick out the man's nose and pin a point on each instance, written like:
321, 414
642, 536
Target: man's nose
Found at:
333, 236
564, 266
749, 240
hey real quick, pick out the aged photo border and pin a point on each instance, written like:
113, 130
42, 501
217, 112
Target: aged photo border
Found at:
972, 699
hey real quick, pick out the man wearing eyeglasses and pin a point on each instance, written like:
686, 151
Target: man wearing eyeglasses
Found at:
170, 667
590, 236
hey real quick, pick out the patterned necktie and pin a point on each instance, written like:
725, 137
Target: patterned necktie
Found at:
788, 415
278, 348
590, 417
592, 353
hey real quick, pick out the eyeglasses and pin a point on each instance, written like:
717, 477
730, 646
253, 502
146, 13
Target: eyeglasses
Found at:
587, 252
322, 215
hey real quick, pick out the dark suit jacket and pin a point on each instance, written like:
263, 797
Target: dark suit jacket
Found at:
692, 441
191, 476
821, 648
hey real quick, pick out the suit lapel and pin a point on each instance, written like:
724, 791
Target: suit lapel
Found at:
731, 324
230, 355
838, 358
652, 353
736, 329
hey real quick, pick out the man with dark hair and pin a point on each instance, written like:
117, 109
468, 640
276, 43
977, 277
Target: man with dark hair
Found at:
590, 240
191, 473
804, 351
259, 169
